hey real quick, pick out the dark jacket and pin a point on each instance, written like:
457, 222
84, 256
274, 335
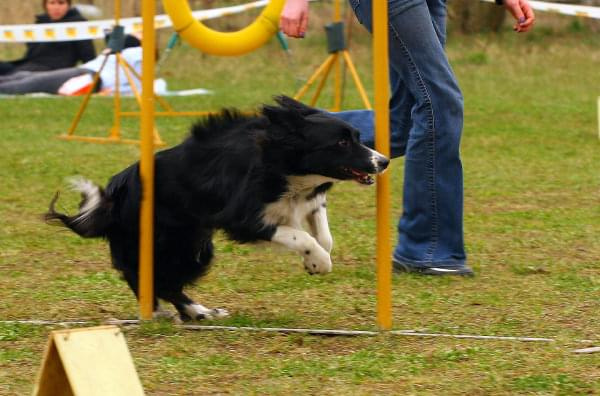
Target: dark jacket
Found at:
56, 55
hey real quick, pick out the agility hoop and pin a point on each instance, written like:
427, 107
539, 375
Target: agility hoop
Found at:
224, 43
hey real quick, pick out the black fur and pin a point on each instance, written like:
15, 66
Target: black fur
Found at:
221, 177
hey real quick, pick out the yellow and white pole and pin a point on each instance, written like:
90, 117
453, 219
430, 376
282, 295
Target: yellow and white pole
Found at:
146, 270
382, 144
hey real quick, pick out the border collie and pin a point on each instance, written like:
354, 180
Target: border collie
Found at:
256, 177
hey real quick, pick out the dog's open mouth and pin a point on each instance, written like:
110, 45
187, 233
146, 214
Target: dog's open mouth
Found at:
360, 177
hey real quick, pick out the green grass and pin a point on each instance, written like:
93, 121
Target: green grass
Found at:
532, 225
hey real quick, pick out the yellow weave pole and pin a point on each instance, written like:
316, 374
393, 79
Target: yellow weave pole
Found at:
146, 270
382, 144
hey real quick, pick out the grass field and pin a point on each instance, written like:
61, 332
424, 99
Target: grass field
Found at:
532, 221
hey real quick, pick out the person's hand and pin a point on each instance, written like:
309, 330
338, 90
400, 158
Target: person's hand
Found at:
294, 18
522, 12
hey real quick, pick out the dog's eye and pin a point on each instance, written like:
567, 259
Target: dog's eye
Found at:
344, 143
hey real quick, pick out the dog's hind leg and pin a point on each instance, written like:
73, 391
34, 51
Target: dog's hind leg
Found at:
319, 226
182, 257
190, 310
316, 259
132, 280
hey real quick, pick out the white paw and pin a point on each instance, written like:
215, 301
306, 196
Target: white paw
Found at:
199, 312
317, 261
217, 313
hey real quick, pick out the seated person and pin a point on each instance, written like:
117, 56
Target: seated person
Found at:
53, 55
51, 81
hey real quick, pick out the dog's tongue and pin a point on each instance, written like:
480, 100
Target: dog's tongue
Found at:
362, 177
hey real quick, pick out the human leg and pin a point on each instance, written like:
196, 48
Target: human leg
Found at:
47, 82
19, 75
6, 68
430, 229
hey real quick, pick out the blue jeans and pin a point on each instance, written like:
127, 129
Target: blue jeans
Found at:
426, 120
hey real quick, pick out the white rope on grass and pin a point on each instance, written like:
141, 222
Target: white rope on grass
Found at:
47, 322
284, 330
328, 332
477, 337
587, 350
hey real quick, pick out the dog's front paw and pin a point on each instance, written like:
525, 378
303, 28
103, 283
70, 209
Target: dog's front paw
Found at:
317, 261
211, 314
217, 313
200, 312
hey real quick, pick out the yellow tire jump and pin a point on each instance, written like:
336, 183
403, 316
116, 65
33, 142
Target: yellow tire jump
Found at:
224, 43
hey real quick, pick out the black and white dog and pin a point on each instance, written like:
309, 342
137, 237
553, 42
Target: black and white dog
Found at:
258, 178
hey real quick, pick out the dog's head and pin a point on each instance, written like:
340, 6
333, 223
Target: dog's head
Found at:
318, 143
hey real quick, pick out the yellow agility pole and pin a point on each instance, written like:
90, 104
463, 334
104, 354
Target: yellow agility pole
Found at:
382, 144
146, 265
224, 43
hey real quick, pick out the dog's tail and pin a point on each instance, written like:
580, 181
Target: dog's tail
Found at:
93, 219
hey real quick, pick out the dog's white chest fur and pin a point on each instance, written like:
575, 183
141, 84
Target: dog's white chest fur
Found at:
301, 205
298, 202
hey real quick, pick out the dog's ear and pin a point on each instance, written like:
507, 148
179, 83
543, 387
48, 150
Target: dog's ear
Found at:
281, 116
289, 117
290, 113
293, 105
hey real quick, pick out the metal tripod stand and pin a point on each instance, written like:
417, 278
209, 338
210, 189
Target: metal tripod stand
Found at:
339, 55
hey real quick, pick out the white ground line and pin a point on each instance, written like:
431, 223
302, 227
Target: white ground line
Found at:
331, 332
587, 350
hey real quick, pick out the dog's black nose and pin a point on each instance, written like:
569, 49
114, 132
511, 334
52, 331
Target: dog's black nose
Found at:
382, 163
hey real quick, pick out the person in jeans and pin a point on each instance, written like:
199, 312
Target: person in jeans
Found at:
426, 121
45, 56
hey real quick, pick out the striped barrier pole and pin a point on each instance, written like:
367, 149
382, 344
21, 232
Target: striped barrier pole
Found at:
70, 31
89, 30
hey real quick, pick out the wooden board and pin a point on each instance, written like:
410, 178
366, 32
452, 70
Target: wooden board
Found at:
93, 361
